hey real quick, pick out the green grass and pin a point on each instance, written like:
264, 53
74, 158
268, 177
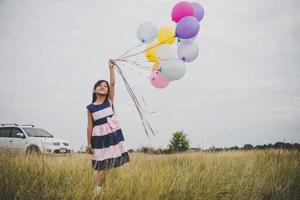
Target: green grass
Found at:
265, 174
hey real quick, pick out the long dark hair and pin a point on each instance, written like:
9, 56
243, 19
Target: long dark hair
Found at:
96, 85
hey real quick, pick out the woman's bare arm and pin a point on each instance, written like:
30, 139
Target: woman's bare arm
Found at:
89, 130
111, 64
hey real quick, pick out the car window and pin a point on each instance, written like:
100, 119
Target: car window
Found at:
14, 132
37, 132
5, 132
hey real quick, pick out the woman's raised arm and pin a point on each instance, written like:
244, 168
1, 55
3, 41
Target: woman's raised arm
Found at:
111, 64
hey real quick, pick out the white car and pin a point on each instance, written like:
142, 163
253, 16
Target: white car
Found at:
27, 138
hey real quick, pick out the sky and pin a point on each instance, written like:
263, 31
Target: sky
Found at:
243, 88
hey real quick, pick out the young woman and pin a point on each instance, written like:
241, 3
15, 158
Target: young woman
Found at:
104, 136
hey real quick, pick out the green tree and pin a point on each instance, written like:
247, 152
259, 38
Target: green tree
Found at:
179, 142
248, 147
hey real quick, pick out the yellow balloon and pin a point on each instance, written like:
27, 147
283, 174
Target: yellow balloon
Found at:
155, 66
166, 34
151, 53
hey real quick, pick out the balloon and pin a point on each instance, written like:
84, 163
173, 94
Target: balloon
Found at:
155, 67
158, 80
165, 52
182, 9
173, 69
199, 11
166, 34
187, 51
187, 40
150, 53
146, 32
187, 27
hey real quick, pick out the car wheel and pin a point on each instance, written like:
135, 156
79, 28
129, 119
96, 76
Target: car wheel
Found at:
33, 150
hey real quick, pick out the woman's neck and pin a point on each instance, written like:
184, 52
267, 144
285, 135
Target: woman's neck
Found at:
100, 99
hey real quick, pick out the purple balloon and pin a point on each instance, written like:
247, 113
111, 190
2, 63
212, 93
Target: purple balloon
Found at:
187, 27
199, 11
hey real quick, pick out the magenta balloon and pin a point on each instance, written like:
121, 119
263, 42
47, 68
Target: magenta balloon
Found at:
158, 80
187, 27
199, 11
182, 9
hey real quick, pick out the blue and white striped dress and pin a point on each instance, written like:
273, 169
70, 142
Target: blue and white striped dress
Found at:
107, 138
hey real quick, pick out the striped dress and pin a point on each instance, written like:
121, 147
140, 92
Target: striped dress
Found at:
107, 138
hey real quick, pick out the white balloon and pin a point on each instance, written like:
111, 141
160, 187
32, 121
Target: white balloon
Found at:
165, 52
146, 32
187, 51
173, 69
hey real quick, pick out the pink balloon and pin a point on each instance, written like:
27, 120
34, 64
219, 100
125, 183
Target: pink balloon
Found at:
182, 9
158, 80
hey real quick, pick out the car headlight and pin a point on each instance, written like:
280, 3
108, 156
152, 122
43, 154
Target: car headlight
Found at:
66, 144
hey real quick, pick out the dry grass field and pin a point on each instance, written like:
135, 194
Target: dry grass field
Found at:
263, 174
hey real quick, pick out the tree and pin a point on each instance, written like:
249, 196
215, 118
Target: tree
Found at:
179, 142
248, 147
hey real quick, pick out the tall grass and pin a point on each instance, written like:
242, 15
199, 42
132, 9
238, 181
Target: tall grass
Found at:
265, 174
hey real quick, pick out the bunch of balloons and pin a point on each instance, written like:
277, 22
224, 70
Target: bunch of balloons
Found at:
165, 60
168, 64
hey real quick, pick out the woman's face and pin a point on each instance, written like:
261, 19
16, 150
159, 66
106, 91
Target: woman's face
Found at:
102, 89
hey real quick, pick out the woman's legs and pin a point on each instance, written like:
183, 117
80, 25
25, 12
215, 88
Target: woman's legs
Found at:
100, 177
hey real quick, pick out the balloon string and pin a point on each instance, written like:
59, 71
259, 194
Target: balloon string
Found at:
146, 124
138, 65
134, 47
160, 59
147, 127
142, 64
142, 59
136, 71
136, 59
148, 68
146, 49
143, 100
